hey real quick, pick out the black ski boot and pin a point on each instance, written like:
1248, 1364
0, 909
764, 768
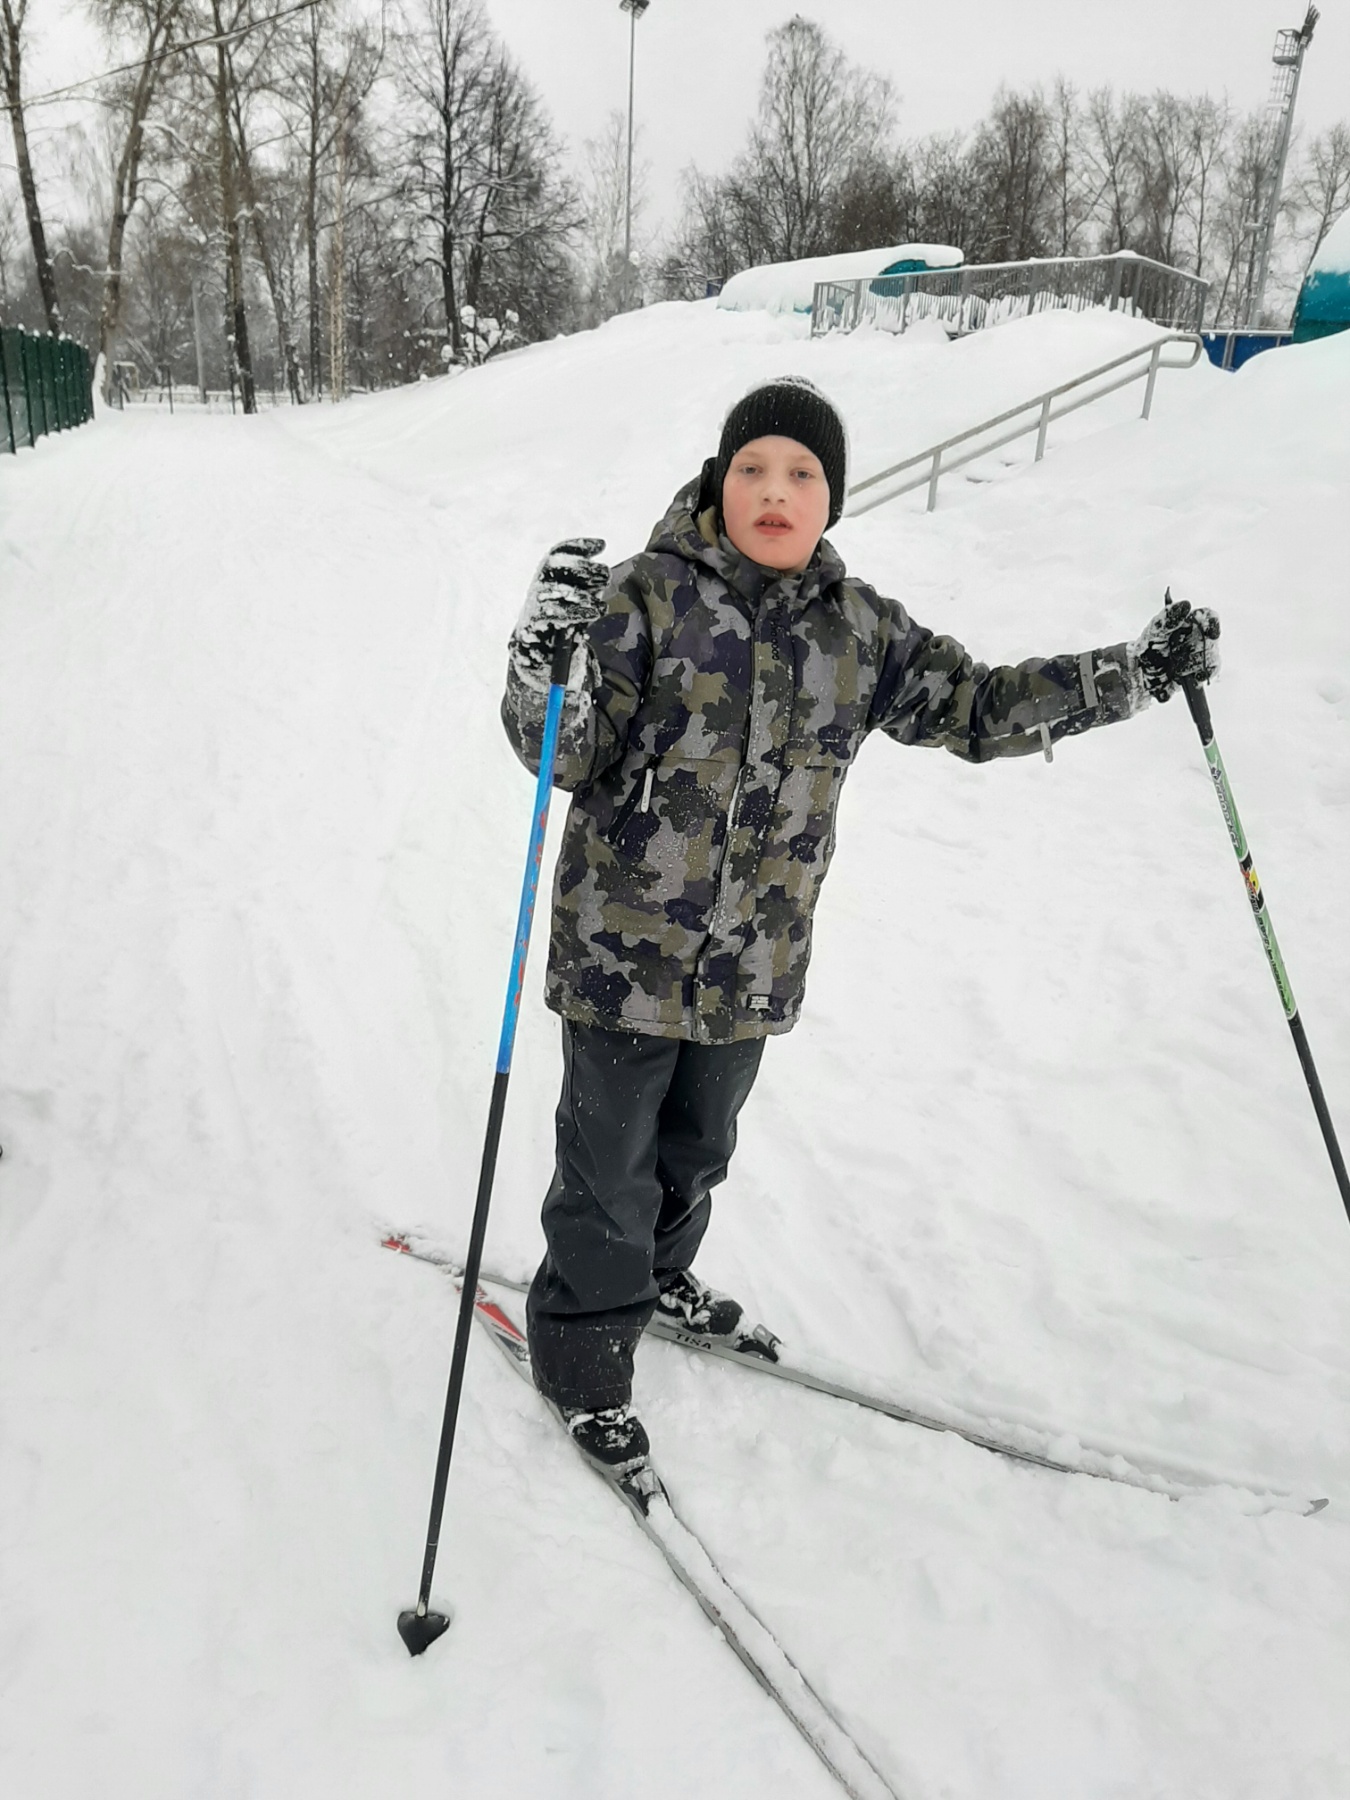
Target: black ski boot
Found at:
700, 1311
612, 1438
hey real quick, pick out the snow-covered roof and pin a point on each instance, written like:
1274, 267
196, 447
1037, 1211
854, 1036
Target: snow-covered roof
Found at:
790, 286
1333, 256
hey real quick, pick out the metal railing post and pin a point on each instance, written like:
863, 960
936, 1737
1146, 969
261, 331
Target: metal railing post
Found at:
1152, 377
1044, 426
933, 478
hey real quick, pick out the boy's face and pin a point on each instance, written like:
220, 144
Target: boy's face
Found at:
775, 502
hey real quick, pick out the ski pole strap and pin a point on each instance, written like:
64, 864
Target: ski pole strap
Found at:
548, 751
1199, 705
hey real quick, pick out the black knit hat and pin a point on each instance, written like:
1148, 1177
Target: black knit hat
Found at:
791, 407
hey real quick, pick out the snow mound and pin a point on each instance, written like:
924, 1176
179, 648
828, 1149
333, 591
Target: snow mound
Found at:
790, 286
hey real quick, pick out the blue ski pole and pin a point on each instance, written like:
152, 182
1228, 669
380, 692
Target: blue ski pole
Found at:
420, 1627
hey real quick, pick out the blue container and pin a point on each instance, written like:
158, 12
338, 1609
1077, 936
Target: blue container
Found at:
1230, 349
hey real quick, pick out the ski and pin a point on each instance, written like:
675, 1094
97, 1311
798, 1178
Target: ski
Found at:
649, 1501
1021, 1440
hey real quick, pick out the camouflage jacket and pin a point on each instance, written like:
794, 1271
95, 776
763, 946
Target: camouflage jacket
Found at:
706, 759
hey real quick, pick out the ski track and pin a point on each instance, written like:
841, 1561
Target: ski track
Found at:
1040, 1143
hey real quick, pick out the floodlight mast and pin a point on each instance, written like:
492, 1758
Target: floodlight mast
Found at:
1287, 57
635, 10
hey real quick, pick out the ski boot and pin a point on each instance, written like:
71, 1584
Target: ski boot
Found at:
690, 1311
612, 1438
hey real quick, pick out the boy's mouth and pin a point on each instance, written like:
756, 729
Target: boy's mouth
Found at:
772, 522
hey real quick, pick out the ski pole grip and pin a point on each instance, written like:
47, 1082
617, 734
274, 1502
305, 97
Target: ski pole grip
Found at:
1199, 704
562, 660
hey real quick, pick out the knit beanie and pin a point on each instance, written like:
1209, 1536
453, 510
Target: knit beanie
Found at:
792, 407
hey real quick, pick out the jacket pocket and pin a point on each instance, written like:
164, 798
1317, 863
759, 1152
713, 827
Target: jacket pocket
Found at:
808, 801
638, 798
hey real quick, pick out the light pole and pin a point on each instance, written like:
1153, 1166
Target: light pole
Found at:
1288, 60
635, 10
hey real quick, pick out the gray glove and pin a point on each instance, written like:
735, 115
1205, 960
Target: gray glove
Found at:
565, 598
1178, 645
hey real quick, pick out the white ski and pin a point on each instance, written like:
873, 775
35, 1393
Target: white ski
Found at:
646, 1496
1023, 1440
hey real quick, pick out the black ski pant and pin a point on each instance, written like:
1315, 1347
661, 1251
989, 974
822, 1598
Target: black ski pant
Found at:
646, 1127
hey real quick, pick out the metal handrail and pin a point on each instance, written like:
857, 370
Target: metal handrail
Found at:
934, 455
976, 295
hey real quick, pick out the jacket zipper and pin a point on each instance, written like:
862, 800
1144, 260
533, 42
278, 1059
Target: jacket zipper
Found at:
723, 875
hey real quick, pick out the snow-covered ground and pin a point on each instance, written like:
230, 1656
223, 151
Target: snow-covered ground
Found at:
1040, 1144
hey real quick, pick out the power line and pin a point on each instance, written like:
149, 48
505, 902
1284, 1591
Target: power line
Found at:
222, 37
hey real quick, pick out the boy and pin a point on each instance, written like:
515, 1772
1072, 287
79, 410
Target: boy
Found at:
721, 683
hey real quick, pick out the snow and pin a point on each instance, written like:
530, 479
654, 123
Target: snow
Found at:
1040, 1144
1333, 253
791, 286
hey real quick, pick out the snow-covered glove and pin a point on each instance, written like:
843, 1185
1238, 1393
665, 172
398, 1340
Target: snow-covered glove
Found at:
564, 600
1178, 645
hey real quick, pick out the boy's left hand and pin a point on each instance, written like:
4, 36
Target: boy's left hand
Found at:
1177, 646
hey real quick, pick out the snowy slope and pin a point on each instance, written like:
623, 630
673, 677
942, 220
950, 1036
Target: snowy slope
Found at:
1040, 1141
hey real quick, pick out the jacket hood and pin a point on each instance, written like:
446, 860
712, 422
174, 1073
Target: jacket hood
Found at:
694, 535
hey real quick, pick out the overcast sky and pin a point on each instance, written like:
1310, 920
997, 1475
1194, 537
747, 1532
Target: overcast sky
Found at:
698, 61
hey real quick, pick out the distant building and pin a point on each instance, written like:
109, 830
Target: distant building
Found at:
1324, 299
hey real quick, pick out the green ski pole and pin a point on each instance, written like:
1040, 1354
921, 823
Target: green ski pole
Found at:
1199, 705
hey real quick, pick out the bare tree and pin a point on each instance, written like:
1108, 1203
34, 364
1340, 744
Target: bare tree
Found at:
820, 117
161, 262
13, 15
328, 67
130, 98
609, 282
9, 237
1066, 203
1210, 128
443, 62
1110, 142
876, 203
818, 114
1166, 156
1237, 216
1322, 189
950, 205
488, 208
230, 39
1012, 162
710, 242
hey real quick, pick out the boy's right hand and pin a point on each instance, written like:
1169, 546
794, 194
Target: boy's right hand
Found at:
564, 599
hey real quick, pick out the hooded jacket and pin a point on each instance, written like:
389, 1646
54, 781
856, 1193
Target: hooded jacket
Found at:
706, 757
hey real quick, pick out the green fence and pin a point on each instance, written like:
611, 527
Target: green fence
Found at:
46, 384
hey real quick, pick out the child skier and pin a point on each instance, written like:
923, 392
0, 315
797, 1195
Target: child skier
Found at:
722, 681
